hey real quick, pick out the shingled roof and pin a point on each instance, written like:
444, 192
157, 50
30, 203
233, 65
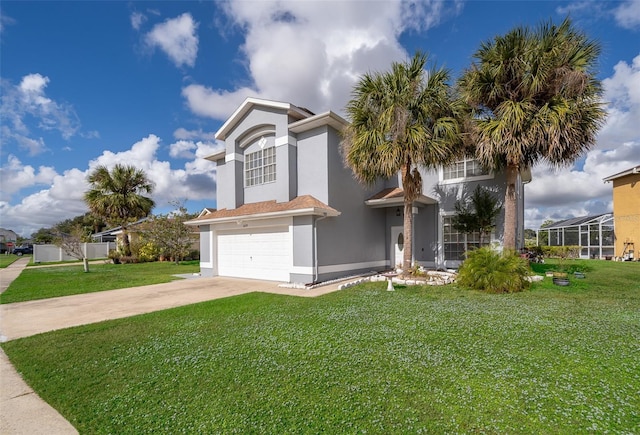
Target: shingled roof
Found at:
300, 205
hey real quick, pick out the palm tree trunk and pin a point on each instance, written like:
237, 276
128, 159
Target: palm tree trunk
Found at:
126, 241
408, 237
510, 208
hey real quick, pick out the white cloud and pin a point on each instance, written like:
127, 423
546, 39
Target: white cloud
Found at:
310, 53
622, 92
214, 104
15, 176
27, 102
564, 193
5, 21
137, 19
182, 149
628, 14
184, 134
177, 38
60, 195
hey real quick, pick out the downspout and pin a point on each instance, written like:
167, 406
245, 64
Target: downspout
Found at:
315, 246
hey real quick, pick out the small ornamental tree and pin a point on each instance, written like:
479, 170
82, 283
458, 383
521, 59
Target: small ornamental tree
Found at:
477, 215
170, 234
72, 243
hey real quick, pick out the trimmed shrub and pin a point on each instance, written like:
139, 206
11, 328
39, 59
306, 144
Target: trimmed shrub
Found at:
129, 259
148, 252
487, 270
114, 255
561, 251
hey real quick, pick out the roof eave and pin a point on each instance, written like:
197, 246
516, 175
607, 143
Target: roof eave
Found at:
312, 211
328, 118
398, 201
216, 156
630, 171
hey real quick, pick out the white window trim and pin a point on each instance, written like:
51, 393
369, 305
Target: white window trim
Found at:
488, 176
492, 235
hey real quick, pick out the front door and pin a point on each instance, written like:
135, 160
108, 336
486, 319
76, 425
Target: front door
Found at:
397, 247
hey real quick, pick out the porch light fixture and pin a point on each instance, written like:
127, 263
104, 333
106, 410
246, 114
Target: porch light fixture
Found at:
398, 211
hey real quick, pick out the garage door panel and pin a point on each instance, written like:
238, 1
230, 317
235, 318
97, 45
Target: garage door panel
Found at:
255, 253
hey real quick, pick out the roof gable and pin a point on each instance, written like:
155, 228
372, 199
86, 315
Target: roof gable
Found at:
249, 104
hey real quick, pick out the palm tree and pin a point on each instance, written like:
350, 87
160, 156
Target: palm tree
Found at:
402, 119
535, 98
117, 196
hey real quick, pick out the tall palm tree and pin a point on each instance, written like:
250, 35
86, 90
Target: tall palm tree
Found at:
535, 98
117, 196
402, 119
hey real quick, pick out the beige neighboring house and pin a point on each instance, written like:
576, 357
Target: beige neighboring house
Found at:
626, 212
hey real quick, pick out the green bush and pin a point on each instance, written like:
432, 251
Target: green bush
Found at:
129, 259
561, 251
148, 252
194, 254
115, 255
494, 272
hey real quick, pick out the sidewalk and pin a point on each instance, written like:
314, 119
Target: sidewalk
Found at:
24, 412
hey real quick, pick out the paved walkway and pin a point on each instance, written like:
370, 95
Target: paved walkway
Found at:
22, 411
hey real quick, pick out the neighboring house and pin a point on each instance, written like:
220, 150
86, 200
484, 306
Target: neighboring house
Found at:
626, 210
289, 210
593, 234
115, 234
8, 239
135, 230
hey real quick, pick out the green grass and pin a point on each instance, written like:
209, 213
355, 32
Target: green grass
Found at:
6, 260
69, 262
552, 360
49, 282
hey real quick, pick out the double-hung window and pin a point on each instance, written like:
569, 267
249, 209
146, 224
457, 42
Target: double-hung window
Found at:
464, 169
260, 167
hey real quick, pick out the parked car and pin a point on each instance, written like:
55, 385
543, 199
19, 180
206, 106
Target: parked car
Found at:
23, 250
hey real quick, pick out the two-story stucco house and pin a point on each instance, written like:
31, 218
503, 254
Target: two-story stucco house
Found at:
289, 210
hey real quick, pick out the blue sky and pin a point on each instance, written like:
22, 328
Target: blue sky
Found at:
148, 83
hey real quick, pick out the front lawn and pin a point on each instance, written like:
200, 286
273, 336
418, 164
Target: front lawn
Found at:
417, 360
49, 282
6, 260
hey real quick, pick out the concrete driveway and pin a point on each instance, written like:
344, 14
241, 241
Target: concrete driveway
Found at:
23, 319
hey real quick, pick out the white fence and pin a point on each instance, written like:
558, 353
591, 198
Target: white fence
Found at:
47, 253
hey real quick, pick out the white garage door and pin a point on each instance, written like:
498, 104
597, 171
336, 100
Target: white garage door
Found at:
255, 253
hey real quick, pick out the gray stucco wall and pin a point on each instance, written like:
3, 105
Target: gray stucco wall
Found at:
303, 248
357, 236
303, 241
205, 245
312, 162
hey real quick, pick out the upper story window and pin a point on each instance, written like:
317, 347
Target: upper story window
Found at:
260, 167
464, 169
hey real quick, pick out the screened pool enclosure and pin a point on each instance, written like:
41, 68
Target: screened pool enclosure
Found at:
593, 234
